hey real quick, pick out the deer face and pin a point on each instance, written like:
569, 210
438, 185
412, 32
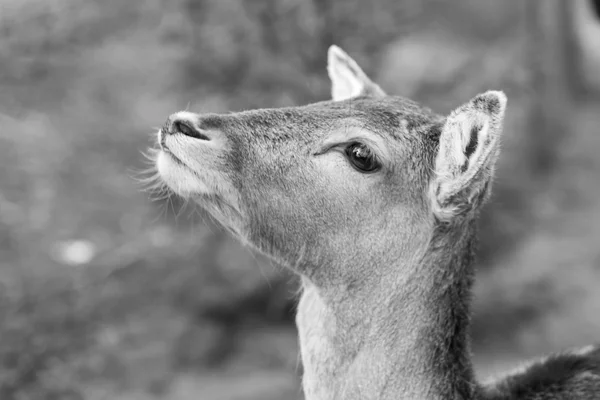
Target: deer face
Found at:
335, 184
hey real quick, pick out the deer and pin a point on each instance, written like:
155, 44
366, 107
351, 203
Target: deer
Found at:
372, 199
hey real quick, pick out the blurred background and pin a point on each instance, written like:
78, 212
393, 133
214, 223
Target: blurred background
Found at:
107, 293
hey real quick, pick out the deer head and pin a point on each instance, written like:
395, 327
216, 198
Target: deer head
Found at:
333, 188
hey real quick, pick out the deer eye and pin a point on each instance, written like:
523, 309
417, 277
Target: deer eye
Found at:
362, 158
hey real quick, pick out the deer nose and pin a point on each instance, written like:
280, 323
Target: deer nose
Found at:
185, 123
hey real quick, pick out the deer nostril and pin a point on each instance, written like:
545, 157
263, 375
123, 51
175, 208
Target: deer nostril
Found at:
187, 129
182, 127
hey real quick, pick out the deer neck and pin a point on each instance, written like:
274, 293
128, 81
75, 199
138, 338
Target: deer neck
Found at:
402, 335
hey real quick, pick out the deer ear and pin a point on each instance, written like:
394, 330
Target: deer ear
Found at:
468, 149
347, 78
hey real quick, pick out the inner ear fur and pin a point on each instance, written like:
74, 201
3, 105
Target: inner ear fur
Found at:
467, 153
347, 78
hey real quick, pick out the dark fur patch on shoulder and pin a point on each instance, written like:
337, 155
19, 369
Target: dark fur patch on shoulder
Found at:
555, 375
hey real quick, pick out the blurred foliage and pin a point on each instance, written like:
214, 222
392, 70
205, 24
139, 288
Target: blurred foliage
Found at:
107, 293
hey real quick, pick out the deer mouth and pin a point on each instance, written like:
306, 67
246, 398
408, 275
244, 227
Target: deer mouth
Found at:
173, 157
164, 148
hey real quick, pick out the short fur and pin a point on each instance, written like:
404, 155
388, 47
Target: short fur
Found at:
386, 258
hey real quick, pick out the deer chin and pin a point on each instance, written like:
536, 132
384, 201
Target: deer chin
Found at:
179, 177
208, 188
